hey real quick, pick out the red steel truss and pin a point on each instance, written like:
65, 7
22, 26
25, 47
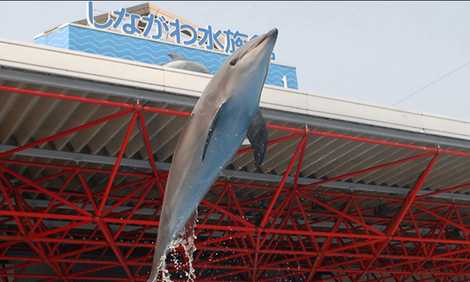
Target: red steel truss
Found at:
288, 231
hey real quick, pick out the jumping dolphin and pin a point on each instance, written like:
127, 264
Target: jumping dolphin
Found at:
179, 62
226, 112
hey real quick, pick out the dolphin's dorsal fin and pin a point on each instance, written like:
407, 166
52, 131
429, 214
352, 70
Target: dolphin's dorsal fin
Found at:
258, 136
174, 56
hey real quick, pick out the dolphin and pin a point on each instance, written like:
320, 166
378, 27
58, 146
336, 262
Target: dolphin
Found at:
179, 62
226, 113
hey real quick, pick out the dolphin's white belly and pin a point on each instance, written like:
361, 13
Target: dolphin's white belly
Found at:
196, 163
225, 140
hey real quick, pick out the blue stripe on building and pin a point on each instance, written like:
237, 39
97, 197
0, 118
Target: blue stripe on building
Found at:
132, 48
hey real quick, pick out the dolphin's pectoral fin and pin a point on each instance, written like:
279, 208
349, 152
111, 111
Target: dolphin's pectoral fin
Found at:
258, 136
212, 128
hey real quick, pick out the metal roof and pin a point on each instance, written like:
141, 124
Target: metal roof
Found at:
72, 73
375, 157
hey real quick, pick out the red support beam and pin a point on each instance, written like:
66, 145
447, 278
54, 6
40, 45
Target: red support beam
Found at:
101, 102
367, 170
148, 149
251, 230
117, 164
112, 244
308, 224
410, 198
405, 207
6, 187
296, 155
326, 245
63, 134
43, 190
452, 188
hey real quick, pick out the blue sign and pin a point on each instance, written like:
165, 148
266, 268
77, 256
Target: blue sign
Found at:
160, 28
150, 38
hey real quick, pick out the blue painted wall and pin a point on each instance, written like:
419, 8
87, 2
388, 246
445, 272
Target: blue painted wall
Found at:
148, 51
58, 38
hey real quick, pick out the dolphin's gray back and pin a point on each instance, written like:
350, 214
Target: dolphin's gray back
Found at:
190, 147
187, 161
187, 65
218, 125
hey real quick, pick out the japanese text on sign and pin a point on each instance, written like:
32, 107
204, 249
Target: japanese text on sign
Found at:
160, 28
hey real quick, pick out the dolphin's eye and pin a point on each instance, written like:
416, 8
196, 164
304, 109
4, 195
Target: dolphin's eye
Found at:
233, 61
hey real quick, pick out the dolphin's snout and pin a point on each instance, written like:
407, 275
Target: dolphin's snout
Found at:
270, 36
273, 33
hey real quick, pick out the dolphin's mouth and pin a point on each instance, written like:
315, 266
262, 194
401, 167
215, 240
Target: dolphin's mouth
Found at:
271, 34
260, 42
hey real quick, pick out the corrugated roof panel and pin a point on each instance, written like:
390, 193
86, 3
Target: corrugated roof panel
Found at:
28, 118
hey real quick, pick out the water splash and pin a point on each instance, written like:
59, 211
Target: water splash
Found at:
186, 239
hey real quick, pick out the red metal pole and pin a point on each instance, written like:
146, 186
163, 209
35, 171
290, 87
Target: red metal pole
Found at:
289, 243
367, 170
228, 228
393, 226
102, 102
410, 198
37, 249
88, 192
63, 133
112, 244
148, 149
117, 164
326, 245
51, 203
43, 190
445, 190
265, 219
343, 215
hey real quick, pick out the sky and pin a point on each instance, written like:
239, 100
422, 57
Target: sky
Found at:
413, 56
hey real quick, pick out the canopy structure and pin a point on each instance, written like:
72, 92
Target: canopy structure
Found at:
348, 191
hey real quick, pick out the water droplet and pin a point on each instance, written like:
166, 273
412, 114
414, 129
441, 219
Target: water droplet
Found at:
186, 240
